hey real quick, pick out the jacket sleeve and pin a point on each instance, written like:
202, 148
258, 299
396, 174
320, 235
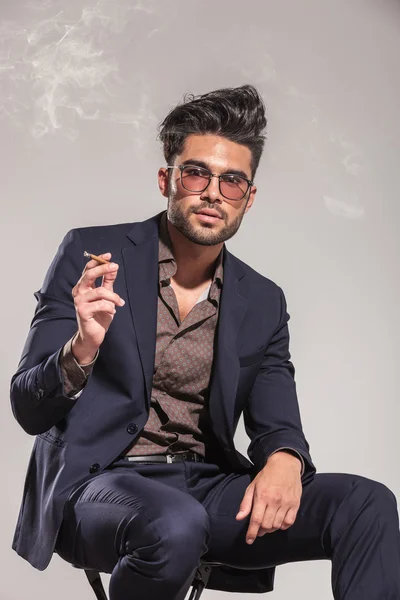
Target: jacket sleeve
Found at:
271, 415
38, 396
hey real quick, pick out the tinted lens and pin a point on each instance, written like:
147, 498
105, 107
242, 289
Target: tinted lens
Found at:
233, 187
195, 179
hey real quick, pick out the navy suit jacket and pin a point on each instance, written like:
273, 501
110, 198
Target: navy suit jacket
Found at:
77, 438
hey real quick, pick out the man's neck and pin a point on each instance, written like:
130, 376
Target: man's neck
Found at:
195, 263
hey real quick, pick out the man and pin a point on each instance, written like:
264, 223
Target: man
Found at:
134, 376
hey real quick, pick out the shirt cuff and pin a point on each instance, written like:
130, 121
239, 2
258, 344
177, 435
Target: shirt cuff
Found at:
295, 453
74, 375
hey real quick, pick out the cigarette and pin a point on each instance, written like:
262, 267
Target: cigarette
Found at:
102, 261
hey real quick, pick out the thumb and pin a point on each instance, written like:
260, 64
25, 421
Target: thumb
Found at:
246, 504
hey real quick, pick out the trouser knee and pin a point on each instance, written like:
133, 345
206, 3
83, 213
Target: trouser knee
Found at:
186, 543
170, 545
383, 501
367, 501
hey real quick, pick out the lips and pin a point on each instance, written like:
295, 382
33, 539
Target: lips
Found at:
209, 213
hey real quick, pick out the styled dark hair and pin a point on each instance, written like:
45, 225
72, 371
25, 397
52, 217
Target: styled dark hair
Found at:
237, 114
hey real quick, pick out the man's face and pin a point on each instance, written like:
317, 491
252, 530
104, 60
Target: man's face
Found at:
220, 156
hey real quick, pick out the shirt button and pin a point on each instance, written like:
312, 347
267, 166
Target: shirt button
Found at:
132, 428
94, 468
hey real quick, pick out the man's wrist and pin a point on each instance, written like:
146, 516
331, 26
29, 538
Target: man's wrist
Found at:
289, 457
83, 353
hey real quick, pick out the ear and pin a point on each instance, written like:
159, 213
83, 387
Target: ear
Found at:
252, 195
163, 181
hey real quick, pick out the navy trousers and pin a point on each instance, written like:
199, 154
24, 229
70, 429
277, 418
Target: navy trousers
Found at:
149, 525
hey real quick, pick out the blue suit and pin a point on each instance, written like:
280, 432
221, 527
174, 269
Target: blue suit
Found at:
77, 439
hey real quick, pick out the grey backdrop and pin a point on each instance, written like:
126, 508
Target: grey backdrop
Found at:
83, 87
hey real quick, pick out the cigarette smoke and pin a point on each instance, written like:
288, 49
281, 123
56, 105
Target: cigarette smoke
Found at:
56, 71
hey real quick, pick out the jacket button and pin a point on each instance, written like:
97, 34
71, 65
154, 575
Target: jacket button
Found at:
132, 428
94, 468
39, 394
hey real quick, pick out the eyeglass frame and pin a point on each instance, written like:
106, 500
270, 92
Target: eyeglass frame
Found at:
181, 167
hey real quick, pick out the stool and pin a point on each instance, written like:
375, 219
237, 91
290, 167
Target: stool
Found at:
199, 582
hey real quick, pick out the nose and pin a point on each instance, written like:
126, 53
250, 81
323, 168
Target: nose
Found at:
212, 190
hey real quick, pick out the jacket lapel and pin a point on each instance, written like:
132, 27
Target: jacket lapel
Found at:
141, 271
226, 368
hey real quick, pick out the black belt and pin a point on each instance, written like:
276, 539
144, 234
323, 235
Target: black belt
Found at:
168, 458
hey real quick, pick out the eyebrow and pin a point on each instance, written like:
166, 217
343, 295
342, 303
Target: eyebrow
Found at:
202, 163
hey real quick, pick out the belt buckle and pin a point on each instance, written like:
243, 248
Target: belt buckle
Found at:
169, 458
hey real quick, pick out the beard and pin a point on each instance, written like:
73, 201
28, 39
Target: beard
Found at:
204, 234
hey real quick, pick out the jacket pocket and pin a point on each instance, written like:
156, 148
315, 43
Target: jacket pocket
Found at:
52, 439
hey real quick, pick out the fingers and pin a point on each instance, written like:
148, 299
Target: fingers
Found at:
92, 271
101, 293
95, 301
277, 517
257, 508
289, 519
256, 519
267, 514
110, 276
90, 309
90, 274
246, 504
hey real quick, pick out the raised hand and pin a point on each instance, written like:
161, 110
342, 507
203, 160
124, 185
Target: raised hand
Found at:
95, 307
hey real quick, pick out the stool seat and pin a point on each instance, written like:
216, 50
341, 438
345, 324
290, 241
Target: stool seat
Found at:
199, 582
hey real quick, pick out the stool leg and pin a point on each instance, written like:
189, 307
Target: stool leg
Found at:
96, 583
197, 590
200, 581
